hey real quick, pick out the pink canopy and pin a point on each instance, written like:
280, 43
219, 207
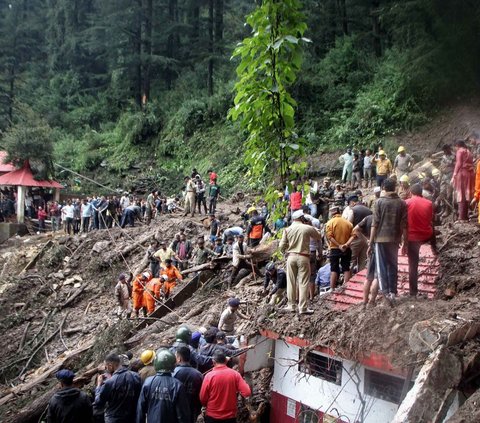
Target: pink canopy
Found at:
24, 177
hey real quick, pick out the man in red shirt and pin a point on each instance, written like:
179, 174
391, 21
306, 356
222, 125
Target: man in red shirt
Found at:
220, 389
420, 230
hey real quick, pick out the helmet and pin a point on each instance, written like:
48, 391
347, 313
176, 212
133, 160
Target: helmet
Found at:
164, 361
251, 209
435, 172
401, 149
184, 334
405, 178
145, 275
147, 357
381, 153
270, 267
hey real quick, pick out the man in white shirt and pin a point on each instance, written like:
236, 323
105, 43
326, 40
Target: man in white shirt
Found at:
67, 217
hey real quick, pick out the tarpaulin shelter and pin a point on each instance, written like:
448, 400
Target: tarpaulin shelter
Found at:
23, 178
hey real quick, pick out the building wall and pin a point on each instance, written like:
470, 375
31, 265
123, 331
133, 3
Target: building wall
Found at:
336, 400
259, 357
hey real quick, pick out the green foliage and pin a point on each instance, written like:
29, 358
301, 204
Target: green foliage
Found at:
269, 62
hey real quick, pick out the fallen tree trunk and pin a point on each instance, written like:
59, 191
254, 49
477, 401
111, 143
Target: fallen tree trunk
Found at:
34, 260
71, 299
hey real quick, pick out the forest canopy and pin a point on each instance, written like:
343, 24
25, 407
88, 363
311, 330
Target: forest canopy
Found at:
146, 83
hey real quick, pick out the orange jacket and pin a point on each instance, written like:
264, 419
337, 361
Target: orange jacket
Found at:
153, 286
172, 273
477, 183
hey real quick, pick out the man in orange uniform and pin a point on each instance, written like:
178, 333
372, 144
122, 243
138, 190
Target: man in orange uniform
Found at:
137, 291
476, 196
172, 276
152, 293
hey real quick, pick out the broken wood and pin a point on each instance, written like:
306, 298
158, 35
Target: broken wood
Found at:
34, 260
210, 266
72, 298
24, 336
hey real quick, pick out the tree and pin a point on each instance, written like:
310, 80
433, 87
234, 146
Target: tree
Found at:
269, 62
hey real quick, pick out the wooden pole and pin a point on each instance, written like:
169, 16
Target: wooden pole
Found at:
21, 204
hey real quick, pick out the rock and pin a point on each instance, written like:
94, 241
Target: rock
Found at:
449, 293
78, 278
58, 275
66, 259
100, 246
55, 286
67, 271
77, 285
69, 281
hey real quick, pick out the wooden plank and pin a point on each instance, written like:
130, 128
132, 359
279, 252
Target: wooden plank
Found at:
34, 260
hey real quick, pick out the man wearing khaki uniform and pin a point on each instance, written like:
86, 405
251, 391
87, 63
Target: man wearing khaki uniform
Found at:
296, 243
190, 193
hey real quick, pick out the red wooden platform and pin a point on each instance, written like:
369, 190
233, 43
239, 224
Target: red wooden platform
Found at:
427, 274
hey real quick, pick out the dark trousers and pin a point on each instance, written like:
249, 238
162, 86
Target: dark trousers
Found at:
209, 419
413, 259
380, 179
236, 269
41, 225
199, 200
68, 225
212, 207
85, 223
128, 218
155, 268
463, 210
387, 266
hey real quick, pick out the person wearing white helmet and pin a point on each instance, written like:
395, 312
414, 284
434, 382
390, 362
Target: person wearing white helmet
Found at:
403, 162
404, 187
296, 244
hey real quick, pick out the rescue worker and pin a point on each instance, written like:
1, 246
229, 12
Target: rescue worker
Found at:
190, 191
192, 381
183, 337
147, 357
122, 295
296, 243
404, 187
119, 394
383, 167
256, 228
229, 316
164, 253
151, 294
201, 254
200, 195
325, 194
137, 292
403, 162
69, 404
279, 279
241, 253
170, 275
163, 398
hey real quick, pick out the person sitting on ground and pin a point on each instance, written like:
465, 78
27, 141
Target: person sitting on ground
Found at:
337, 233
279, 279
171, 276
69, 404
229, 316
192, 381
228, 247
218, 249
118, 394
147, 357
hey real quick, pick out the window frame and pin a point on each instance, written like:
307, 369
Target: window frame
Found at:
333, 368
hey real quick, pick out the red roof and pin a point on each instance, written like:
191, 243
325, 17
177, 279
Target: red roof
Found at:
24, 177
5, 167
427, 273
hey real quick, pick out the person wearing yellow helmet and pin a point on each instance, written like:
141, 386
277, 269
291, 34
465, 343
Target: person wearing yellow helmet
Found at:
384, 167
403, 162
147, 357
404, 187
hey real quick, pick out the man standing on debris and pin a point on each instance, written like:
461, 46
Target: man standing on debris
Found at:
229, 316
213, 194
214, 228
192, 381
150, 207
463, 179
403, 162
69, 404
256, 228
151, 293
170, 275
122, 295
384, 167
315, 252
347, 160
420, 230
220, 389
190, 191
388, 226
239, 260
163, 398
138, 289
200, 195
119, 394
296, 243
164, 253
154, 263
183, 252
201, 254
337, 232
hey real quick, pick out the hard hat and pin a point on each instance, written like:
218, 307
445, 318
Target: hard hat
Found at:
334, 210
251, 209
145, 275
280, 194
401, 149
377, 189
270, 267
147, 357
381, 153
327, 179
184, 334
164, 277
164, 361
435, 172
405, 178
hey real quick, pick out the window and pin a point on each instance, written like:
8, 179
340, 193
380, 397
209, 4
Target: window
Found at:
325, 368
308, 415
383, 386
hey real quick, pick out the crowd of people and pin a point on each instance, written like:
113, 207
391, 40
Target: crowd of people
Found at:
329, 232
174, 384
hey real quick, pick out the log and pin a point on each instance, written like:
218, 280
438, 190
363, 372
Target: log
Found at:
210, 265
32, 262
72, 298
49, 370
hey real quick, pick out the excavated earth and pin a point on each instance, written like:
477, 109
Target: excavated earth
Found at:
64, 301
